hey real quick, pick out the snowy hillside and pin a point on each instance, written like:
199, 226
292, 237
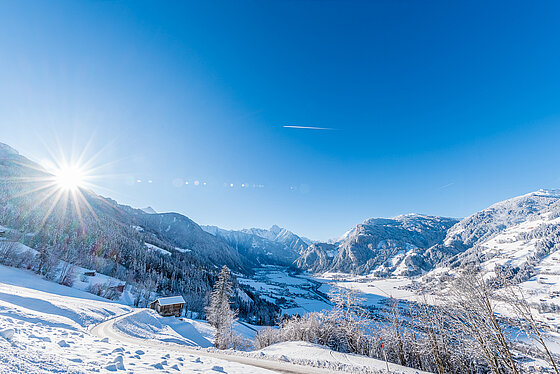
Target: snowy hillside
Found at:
97, 233
45, 328
49, 328
514, 235
404, 245
482, 225
276, 246
518, 238
317, 257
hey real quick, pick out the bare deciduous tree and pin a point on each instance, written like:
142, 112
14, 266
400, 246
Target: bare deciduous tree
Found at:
515, 298
474, 314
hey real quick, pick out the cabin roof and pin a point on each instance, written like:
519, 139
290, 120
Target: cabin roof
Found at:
171, 300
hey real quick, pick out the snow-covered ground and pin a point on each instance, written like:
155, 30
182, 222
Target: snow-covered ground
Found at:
318, 355
153, 247
299, 294
49, 328
372, 289
294, 294
147, 324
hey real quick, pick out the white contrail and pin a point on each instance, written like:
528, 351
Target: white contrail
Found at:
445, 186
308, 127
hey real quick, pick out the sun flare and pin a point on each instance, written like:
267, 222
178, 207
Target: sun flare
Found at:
69, 178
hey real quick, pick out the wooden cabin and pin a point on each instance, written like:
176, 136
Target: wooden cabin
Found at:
118, 288
168, 306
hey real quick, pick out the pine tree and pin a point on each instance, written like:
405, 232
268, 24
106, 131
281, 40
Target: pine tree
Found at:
219, 312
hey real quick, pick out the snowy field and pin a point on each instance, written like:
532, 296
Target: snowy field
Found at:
49, 328
294, 294
309, 293
372, 289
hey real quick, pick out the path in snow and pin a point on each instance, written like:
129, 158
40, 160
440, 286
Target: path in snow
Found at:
106, 330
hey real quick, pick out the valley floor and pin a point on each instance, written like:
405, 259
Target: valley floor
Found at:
303, 293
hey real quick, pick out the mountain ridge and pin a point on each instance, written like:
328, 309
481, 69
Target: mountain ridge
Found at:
276, 245
401, 245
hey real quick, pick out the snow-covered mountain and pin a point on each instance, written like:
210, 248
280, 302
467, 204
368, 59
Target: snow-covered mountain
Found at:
260, 246
23, 189
483, 225
148, 210
519, 237
294, 243
317, 257
185, 235
404, 245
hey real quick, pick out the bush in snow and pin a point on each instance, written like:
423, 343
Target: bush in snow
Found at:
462, 336
266, 337
106, 290
343, 329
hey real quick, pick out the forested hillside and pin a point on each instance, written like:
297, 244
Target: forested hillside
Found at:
153, 253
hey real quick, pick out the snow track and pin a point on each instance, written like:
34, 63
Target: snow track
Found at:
106, 330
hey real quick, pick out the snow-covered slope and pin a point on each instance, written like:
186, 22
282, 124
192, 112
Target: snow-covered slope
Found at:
518, 238
276, 246
49, 328
27, 297
483, 225
45, 328
317, 257
149, 210
308, 353
404, 245
147, 324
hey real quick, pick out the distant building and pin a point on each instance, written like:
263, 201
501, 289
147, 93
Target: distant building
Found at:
119, 288
168, 306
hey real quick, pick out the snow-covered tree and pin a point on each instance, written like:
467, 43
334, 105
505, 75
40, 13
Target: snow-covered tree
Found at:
515, 298
474, 314
350, 318
219, 312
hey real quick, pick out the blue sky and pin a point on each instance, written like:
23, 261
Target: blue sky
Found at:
436, 107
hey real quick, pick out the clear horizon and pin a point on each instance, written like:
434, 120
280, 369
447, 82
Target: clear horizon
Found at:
313, 116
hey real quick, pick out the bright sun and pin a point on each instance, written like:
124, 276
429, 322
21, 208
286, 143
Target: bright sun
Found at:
67, 181
69, 178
